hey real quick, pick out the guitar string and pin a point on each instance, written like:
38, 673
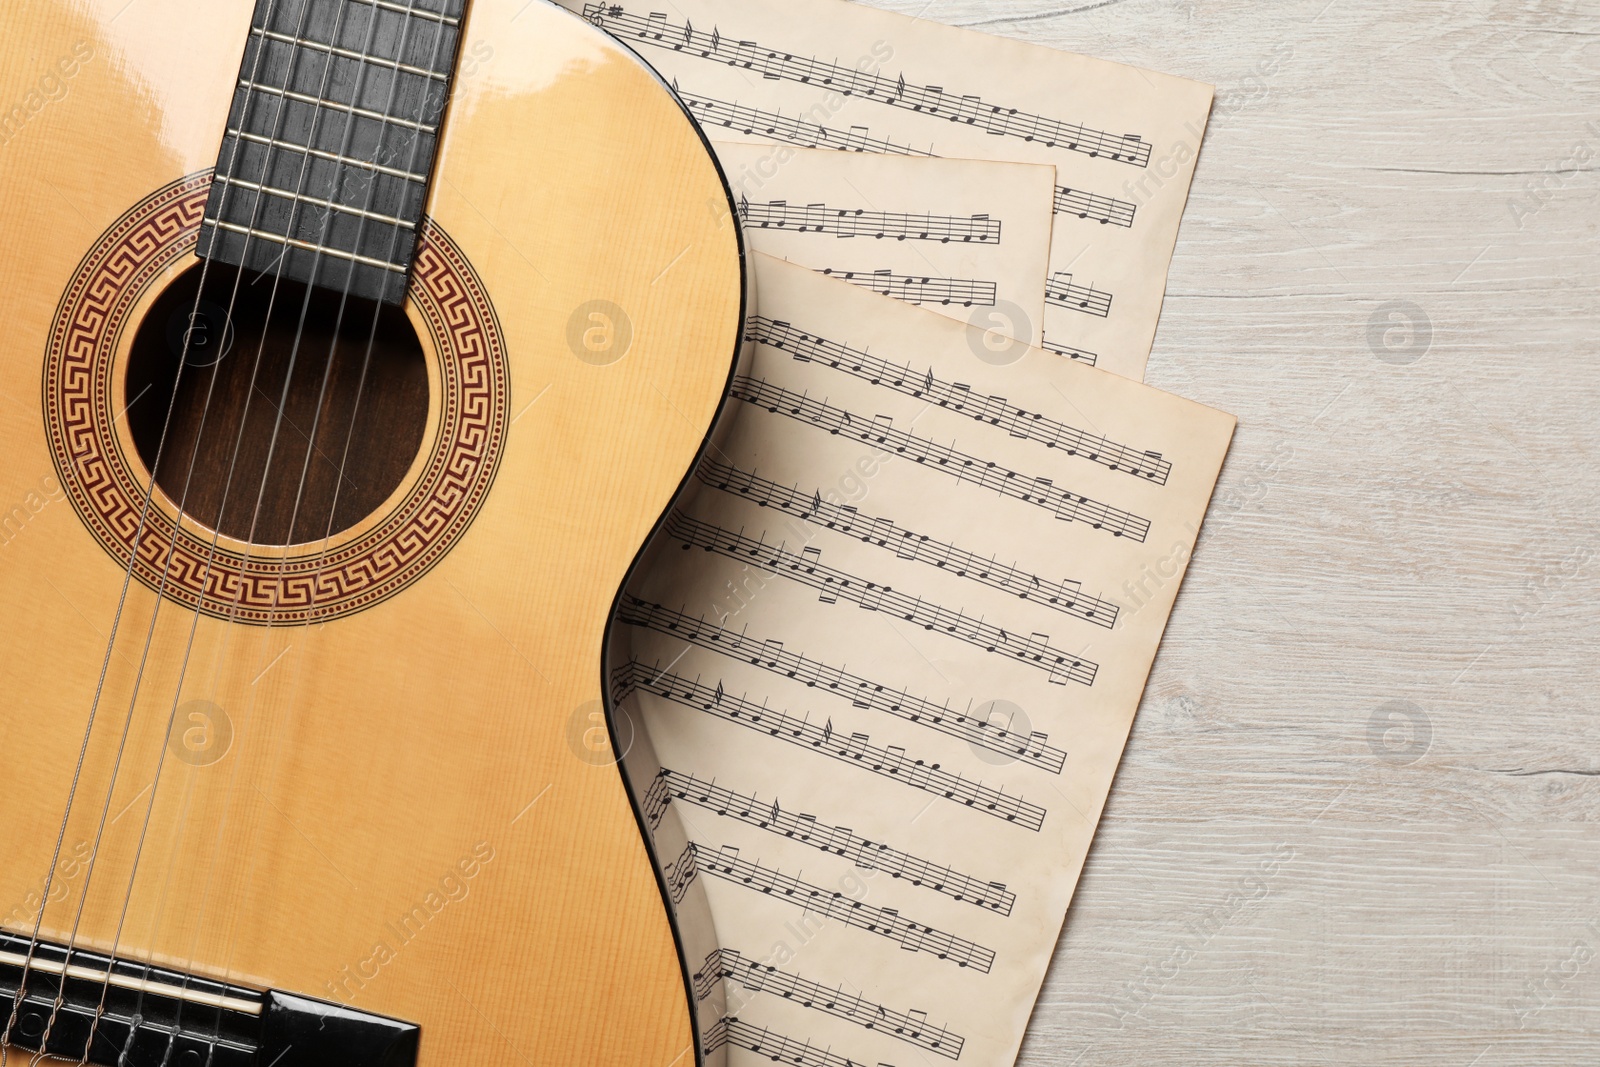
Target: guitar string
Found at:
287, 705
230, 623
160, 597
181, 509
154, 788
230, 627
133, 558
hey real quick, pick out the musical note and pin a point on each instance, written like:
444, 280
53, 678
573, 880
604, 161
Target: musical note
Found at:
959, 465
834, 904
775, 1047
856, 750
1062, 292
680, 874
924, 290
861, 692
654, 805
1079, 354
1086, 205
670, 785
859, 222
908, 1026
895, 92
955, 396
780, 127
871, 596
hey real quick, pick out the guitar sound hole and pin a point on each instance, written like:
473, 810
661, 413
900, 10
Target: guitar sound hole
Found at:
358, 452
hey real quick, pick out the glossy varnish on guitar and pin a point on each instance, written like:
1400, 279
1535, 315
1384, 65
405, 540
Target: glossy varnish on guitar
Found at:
382, 790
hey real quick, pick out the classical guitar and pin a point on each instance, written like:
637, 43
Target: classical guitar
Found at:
352, 350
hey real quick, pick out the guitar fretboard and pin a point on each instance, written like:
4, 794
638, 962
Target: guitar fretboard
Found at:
330, 143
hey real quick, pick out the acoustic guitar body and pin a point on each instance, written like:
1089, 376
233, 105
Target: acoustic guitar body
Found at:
305, 751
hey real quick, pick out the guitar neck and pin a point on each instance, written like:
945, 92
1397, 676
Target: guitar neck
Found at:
331, 141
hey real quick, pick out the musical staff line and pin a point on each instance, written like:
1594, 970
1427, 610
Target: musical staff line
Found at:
856, 750
1105, 210
911, 1027
805, 134
1038, 491
956, 396
775, 1047
841, 841
931, 100
859, 222
1065, 596
1078, 354
806, 568
679, 874
775, 124
1085, 298
834, 904
1032, 748
926, 289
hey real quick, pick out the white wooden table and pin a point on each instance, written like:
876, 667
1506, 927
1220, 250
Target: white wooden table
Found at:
1357, 820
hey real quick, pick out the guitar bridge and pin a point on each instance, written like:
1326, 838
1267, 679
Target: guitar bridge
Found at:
119, 1013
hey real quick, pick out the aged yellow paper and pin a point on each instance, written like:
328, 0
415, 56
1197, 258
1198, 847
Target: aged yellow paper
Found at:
837, 75
884, 661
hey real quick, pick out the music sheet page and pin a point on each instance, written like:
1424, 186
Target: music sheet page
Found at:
966, 238
886, 658
837, 75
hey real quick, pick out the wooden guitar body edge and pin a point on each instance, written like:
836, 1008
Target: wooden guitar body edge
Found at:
694, 930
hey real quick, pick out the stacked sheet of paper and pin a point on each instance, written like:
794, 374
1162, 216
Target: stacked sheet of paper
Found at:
883, 660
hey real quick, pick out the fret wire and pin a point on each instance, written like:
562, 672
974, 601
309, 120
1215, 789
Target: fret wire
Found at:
432, 16
308, 246
256, 138
376, 116
448, 18
304, 199
333, 50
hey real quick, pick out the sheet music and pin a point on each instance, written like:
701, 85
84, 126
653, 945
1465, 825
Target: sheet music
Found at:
836, 75
967, 238
882, 663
